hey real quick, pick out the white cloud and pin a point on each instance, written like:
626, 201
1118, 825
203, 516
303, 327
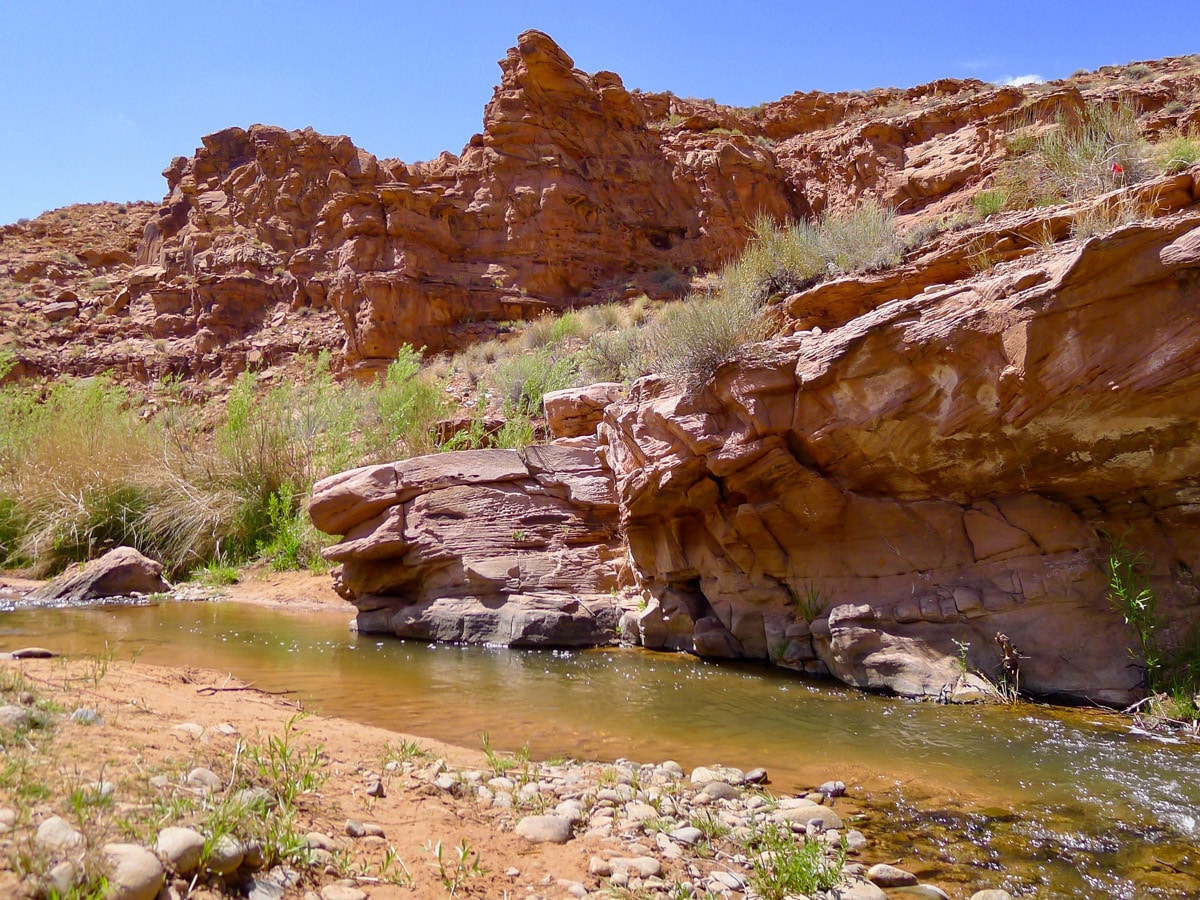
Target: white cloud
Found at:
1022, 80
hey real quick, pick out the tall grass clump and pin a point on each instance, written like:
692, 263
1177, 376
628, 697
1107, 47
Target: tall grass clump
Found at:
784, 259
73, 472
1178, 153
1081, 155
87, 467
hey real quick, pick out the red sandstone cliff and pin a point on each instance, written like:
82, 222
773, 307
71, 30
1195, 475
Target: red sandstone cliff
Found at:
271, 243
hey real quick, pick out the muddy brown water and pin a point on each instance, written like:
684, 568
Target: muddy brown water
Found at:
1042, 801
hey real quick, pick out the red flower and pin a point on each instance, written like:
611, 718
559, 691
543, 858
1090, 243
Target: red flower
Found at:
1117, 170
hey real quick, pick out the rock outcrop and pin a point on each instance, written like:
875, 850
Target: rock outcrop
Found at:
570, 191
938, 469
508, 547
877, 499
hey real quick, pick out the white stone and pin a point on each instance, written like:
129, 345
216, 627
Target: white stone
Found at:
134, 872
56, 833
180, 848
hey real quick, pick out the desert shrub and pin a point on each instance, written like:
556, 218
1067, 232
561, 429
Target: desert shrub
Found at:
864, 240
408, 404
1080, 157
521, 381
83, 469
784, 259
692, 338
611, 356
778, 260
73, 470
923, 233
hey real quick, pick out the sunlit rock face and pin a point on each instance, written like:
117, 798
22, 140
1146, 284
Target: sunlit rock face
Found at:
517, 548
935, 470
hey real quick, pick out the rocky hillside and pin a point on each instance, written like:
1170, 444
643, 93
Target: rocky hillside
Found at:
272, 242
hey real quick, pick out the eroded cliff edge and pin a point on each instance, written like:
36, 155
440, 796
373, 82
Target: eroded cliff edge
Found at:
940, 463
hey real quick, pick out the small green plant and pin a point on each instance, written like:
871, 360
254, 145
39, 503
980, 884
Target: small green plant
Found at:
988, 203
712, 828
405, 751
500, 765
454, 873
285, 768
393, 870
811, 604
215, 573
783, 868
1131, 595
964, 647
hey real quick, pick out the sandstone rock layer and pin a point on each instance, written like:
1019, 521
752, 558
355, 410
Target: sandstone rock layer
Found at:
482, 546
867, 500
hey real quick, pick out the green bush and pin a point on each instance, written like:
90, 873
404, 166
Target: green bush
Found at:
784, 868
409, 405
778, 260
521, 381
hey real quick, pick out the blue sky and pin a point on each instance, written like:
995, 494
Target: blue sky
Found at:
97, 98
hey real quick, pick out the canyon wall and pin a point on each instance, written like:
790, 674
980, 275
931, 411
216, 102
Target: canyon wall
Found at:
273, 244
876, 500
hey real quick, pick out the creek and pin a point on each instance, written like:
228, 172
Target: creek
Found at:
1039, 800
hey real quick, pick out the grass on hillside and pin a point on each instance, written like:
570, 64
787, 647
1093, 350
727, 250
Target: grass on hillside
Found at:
1079, 156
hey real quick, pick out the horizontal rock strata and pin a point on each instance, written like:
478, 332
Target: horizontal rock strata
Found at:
509, 547
868, 500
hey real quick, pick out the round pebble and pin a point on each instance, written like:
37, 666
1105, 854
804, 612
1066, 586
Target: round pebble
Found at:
134, 872
180, 848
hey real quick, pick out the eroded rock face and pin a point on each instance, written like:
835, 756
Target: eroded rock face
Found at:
569, 191
484, 546
936, 469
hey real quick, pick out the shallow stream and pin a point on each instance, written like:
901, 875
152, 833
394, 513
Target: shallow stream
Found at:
1043, 801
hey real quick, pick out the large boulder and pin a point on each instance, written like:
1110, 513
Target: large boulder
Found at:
120, 572
510, 547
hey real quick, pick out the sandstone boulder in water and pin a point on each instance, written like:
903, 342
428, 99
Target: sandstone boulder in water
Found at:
120, 572
520, 548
